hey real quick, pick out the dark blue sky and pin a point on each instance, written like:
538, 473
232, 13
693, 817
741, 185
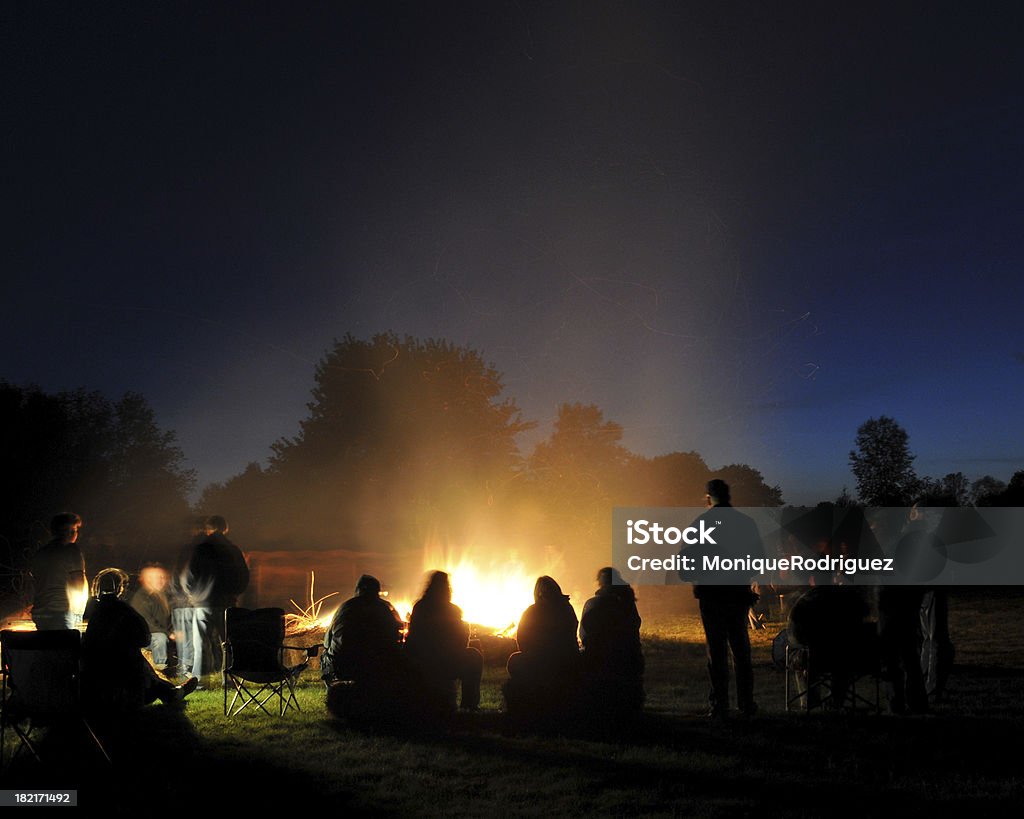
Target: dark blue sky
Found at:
737, 229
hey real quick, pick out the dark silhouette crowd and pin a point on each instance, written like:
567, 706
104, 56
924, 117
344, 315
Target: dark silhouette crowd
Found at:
376, 666
562, 668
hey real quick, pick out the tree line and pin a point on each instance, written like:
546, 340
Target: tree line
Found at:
405, 442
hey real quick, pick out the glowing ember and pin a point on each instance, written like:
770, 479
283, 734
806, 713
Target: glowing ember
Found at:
310, 617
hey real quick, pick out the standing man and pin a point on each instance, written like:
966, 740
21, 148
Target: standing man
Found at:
58, 571
724, 608
218, 574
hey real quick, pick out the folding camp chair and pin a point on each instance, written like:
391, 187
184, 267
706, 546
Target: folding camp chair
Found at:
254, 661
41, 685
808, 687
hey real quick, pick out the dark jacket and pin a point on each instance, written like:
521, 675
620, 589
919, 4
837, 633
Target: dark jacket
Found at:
114, 672
218, 571
437, 635
736, 537
547, 632
610, 632
363, 638
154, 608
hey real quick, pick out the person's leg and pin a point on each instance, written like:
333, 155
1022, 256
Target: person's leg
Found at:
470, 673
200, 655
182, 620
717, 644
739, 643
158, 648
215, 632
929, 660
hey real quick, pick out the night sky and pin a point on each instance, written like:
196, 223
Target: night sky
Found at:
737, 228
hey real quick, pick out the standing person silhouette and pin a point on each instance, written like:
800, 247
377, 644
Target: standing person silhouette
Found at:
58, 574
218, 574
724, 608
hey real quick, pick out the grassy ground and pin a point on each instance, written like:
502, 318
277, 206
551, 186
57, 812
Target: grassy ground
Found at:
673, 762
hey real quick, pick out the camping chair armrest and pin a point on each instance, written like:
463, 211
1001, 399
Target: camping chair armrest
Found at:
311, 651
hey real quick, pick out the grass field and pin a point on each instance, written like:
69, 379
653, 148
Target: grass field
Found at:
672, 762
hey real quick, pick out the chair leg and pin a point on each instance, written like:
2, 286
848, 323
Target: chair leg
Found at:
96, 739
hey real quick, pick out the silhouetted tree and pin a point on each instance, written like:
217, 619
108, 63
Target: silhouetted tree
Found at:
580, 470
403, 437
1013, 495
108, 461
845, 500
882, 463
675, 479
951, 490
986, 491
748, 487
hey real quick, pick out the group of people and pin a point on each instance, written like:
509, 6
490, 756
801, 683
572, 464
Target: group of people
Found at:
365, 655
562, 662
909, 646
175, 617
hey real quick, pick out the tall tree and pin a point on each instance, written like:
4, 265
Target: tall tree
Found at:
986, 491
747, 486
403, 436
882, 463
106, 460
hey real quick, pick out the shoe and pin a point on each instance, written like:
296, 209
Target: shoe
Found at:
717, 713
187, 687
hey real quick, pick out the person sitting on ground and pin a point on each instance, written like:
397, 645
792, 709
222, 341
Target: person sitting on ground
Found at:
150, 600
364, 639
115, 674
437, 646
610, 634
545, 668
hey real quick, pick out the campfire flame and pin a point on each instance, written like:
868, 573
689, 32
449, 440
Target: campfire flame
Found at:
492, 593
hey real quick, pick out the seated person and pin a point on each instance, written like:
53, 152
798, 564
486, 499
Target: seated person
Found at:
150, 600
115, 674
364, 638
437, 647
613, 660
547, 664
829, 621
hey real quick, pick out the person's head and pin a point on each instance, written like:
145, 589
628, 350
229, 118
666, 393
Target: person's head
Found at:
216, 525
610, 579
153, 578
609, 576
717, 492
439, 586
546, 589
64, 527
367, 585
